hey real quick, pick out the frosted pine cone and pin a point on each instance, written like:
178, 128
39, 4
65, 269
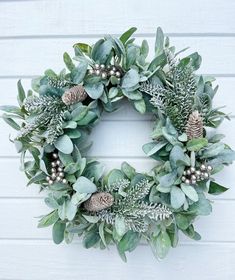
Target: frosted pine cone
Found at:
74, 95
194, 126
99, 201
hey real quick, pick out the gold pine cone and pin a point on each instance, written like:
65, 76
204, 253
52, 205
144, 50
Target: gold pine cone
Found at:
194, 126
74, 95
99, 201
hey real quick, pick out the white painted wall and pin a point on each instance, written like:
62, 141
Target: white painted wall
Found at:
33, 37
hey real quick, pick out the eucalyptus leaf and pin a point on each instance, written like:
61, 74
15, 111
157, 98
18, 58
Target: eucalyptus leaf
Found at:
177, 197
84, 185
64, 144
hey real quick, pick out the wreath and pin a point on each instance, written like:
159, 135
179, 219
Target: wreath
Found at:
122, 207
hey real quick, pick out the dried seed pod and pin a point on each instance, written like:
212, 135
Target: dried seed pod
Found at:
74, 95
194, 126
99, 201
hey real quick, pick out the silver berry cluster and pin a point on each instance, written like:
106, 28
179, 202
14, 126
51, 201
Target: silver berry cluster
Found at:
192, 175
105, 71
57, 171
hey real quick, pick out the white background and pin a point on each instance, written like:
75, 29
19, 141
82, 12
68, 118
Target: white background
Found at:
33, 37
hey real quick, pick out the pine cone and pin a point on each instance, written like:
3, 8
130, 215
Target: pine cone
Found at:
74, 95
194, 126
99, 201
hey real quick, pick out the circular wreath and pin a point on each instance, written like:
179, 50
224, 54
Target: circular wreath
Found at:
124, 206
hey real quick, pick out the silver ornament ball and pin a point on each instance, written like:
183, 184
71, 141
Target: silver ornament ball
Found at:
54, 155
104, 75
192, 169
187, 181
97, 66
118, 74
209, 168
203, 167
111, 72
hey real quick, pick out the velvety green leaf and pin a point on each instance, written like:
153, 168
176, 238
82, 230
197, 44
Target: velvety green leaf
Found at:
160, 245
58, 232
64, 144
91, 219
84, 185
128, 170
68, 62
178, 158
125, 36
89, 118
216, 189
153, 147
129, 241
130, 79
114, 176
79, 72
140, 106
101, 51
90, 239
177, 197
49, 219
120, 225
102, 233
168, 179
73, 133
94, 90
79, 113
190, 192
196, 144
21, 93
159, 43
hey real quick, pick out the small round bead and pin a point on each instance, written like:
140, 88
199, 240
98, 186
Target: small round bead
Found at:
188, 172
118, 79
187, 181
118, 74
50, 182
58, 179
192, 169
97, 66
193, 177
108, 67
114, 68
58, 162
91, 71
102, 66
64, 181
54, 155
59, 169
193, 182
184, 173
97, 72
53, 164
104, 75
203, 167
53, 176
48, 178
61, 174
198, 173
209, 168
206, 175
53, 170
183, 178
111, 72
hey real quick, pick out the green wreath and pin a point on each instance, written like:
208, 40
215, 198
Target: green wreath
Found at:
122, 207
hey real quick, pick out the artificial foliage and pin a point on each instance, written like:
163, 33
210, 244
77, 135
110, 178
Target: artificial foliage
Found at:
122, 207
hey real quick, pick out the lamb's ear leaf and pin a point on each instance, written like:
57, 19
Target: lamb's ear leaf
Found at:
126, 35
216, 189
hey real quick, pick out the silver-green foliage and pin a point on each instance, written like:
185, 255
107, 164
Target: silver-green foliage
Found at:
132, 207
176, 98
46, 113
